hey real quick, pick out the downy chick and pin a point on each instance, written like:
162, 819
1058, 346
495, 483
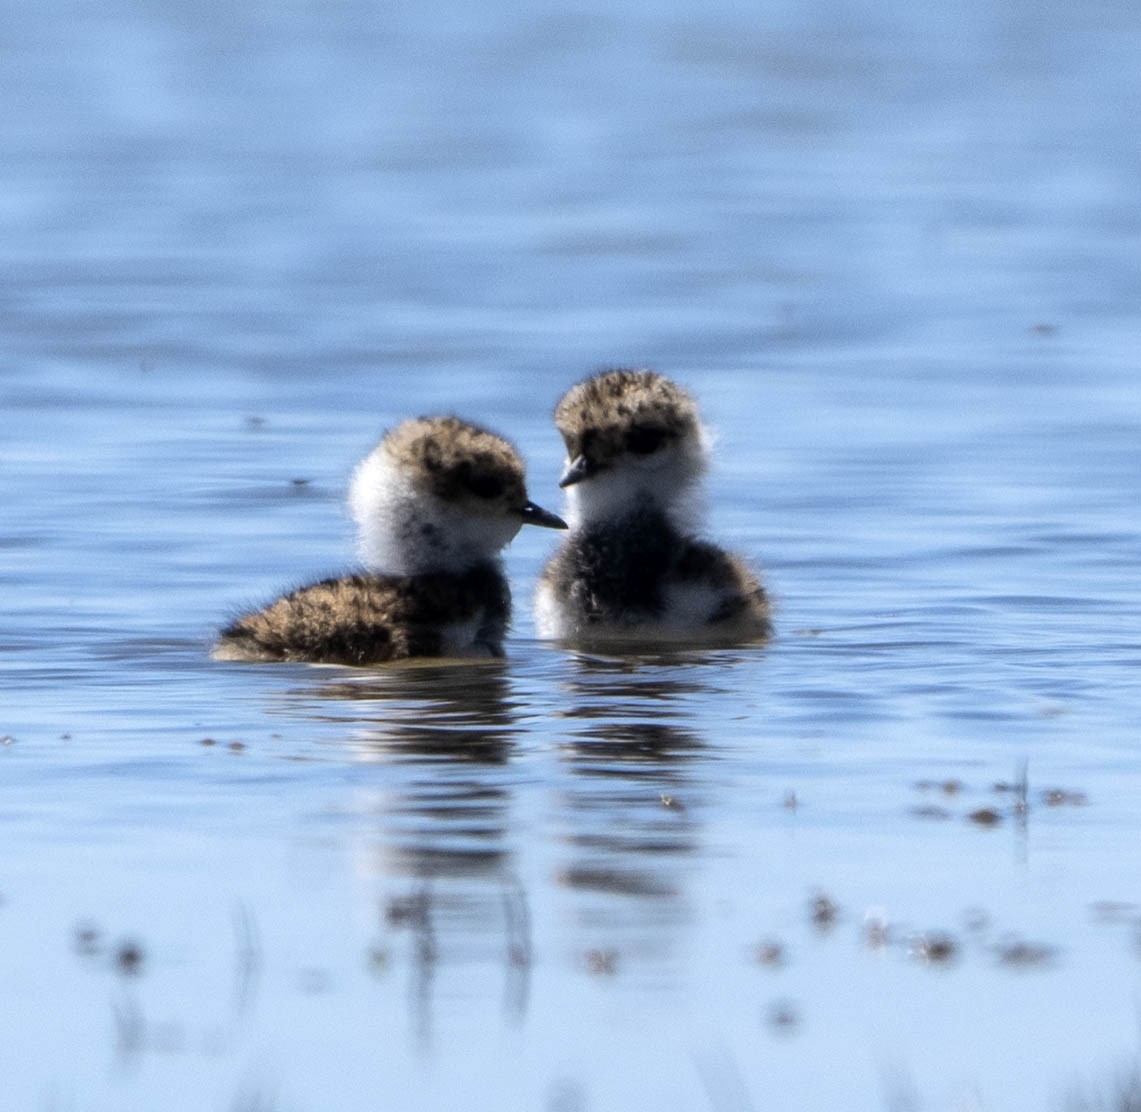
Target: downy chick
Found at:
435, 503
632, 568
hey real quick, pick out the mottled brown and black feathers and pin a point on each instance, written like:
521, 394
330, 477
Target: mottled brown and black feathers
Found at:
370, 619
623, 411
639, 573
454, 459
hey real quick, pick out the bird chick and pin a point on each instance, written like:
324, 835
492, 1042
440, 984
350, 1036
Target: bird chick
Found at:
435, 503
632, 568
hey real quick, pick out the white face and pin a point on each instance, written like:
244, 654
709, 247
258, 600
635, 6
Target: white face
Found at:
666, 479
406, 531
482, 532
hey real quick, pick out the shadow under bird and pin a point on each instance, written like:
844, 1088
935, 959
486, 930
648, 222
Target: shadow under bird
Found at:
632, 568
435, 504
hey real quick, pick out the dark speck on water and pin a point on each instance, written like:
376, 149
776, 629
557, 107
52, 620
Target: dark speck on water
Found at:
877, 931
88, 939
1115, 911
985, 816
129, 958
783, 1016
936, 948
770, 954
976, 919
823, 911
601, 962
1021, 954
890, 247
929, 811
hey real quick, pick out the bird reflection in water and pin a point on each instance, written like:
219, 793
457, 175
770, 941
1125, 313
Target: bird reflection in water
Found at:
438, 816
417, 712
638, 780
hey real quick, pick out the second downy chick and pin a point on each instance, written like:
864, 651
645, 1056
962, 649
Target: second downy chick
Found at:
632, 568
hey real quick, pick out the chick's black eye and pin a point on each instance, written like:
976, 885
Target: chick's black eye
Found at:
642, 440
485, 486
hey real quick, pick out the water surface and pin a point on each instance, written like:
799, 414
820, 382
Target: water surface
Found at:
886, 862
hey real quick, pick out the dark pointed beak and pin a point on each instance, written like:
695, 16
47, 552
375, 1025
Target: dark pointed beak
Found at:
578, 469
536, 515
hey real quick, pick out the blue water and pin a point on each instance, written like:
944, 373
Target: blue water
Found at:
893, 252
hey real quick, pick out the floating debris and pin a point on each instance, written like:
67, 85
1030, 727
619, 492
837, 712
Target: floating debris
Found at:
947, 787
236, 746
7, 739
1021, 954
601, 962
976, 919
1060, 797
1114, 911
790, 802
877, 933
672, 804
207, 741
770, 954
929, 811
823, 911
1019, 788
985, 816
87, 939
783, 1016
129, 958
936, 948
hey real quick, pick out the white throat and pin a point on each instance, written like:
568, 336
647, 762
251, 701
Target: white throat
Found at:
669, 482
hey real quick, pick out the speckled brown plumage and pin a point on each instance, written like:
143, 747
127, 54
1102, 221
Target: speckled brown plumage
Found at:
370, 619
622, 410
453, 459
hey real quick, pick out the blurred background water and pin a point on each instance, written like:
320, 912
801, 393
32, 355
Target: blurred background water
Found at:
887, 862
